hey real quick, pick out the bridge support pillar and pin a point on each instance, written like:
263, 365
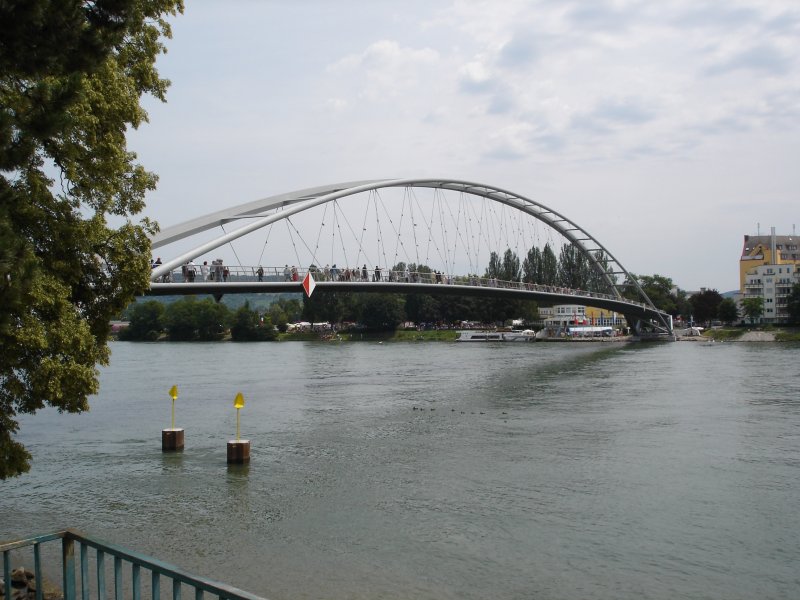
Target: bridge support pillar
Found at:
238, 452
171, 440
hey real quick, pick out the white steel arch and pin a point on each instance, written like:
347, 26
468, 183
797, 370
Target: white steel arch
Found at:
264, 212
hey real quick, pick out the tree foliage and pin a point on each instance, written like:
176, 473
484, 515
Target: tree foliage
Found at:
248, 326
705, 305
753, 307
146, 321
190, 319
659, 289
574, 270
727, 311
381, 312
793, 304
72, 74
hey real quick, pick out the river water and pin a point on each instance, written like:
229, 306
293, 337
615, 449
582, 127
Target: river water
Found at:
439, 470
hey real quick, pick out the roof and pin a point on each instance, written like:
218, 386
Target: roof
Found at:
752, 242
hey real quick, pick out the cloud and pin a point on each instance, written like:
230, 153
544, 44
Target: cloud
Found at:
717, 15
549, 142
608, 114
385, 67
511, 142
385, 54
475, 77
521, 50
501, 103
336, 104
762, 58
600, 16
785, 22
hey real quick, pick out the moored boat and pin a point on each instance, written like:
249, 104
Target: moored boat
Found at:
527, 335
516, 335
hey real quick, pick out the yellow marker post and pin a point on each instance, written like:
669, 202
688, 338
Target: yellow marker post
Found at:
238, 449
172, 438
238, 404
173, 392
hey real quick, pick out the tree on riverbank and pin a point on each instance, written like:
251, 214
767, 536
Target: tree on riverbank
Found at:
189, 319
71, 77
753, 308
727, 312
793, 304
248, 326
662, 293
146, 321
705, 305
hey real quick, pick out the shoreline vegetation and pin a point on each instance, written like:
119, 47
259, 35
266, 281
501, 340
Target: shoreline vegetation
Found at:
769, 333
727, 334
189, 319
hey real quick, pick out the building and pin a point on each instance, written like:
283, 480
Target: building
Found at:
768, 268
564, 315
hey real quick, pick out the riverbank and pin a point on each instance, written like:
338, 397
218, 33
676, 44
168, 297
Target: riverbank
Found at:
401, 335
741, 334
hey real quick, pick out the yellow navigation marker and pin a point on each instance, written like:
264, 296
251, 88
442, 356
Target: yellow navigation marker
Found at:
238, 404
172, 438
238, 449
173, 392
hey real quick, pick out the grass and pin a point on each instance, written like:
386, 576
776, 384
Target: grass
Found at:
725, 334
782, 334
788, 334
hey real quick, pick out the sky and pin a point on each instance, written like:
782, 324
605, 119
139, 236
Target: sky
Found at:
668, 130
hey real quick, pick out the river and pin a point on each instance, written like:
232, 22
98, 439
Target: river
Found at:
439, 470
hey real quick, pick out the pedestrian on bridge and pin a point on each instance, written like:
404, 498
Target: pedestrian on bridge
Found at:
377, 276
287, 275
364, 276
260, 273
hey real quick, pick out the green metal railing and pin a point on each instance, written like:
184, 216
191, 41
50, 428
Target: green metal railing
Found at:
72, 580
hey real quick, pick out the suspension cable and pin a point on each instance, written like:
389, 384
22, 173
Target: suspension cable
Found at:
291, 237
232, 248
264, 247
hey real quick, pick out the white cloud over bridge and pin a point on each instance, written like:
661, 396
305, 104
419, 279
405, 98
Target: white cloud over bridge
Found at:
669, 129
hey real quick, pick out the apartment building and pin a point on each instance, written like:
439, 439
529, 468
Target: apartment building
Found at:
768, 268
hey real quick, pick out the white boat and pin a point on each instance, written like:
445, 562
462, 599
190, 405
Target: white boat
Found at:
479, 336
516, 335
527, 335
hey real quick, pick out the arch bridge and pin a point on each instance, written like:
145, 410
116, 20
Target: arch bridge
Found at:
448, 222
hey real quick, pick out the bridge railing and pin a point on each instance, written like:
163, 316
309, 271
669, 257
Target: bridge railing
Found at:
239, 273
92, 582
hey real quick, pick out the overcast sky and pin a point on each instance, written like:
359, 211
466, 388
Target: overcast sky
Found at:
666, 129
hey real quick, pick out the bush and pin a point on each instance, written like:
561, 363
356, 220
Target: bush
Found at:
247, 326
187, 319
146, 322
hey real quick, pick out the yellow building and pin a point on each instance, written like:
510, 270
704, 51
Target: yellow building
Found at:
771, 249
